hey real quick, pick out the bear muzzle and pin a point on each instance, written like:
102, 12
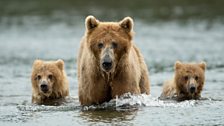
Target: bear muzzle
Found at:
44, 87
192, 85
107, 60
192, 89
106, 63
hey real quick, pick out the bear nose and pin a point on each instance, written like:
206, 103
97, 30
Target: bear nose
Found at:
44, 87
107, 65
192, 89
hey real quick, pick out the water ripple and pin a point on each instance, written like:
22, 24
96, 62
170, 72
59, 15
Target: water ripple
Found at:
126, 102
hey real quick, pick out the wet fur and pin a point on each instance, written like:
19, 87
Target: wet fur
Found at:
60, 88
176, 87
130, 74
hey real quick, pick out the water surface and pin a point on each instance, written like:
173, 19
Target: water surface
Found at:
51, 32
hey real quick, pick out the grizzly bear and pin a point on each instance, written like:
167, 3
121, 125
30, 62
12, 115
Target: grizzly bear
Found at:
187, 83
49, 81
109, 63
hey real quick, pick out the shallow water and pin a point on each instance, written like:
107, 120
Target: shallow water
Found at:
24, 38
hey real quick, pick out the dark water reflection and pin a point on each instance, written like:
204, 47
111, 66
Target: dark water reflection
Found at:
149, 10
108, 117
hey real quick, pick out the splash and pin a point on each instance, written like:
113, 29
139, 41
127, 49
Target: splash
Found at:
70, 104
149, 101
126, 102
130, 102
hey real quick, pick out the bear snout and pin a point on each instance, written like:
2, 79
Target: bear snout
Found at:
192, 89
107, 63
44, 88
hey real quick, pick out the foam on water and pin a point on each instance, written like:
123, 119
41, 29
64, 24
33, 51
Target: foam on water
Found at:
70, 104
124, 103
128, 102
150, 101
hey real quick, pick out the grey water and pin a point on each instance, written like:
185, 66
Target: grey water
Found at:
164, 32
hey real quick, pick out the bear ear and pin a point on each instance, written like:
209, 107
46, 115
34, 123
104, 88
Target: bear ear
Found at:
91, 22
202, 65
60, 64
37, 62
127, 24
178, 65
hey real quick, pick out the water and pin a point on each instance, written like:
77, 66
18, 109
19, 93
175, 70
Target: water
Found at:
48, 33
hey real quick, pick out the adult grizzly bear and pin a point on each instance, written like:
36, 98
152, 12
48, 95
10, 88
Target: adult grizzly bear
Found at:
109, 64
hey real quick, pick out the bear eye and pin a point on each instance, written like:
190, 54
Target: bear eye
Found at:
196, 78
114, 45
38, 77
185, 78
50, 77
100, 45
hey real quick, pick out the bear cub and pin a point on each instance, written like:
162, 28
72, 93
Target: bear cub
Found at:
187, 82
49, 81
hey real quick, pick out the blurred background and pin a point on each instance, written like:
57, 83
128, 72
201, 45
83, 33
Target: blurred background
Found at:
51, 29
148, 10
166, 31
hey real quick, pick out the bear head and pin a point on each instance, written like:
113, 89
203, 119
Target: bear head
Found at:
109, 41
190, 78
46, 76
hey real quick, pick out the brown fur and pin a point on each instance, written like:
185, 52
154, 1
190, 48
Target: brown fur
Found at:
129, 72
186, 76
57, 83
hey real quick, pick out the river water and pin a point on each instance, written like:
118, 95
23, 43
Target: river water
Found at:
26, 37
